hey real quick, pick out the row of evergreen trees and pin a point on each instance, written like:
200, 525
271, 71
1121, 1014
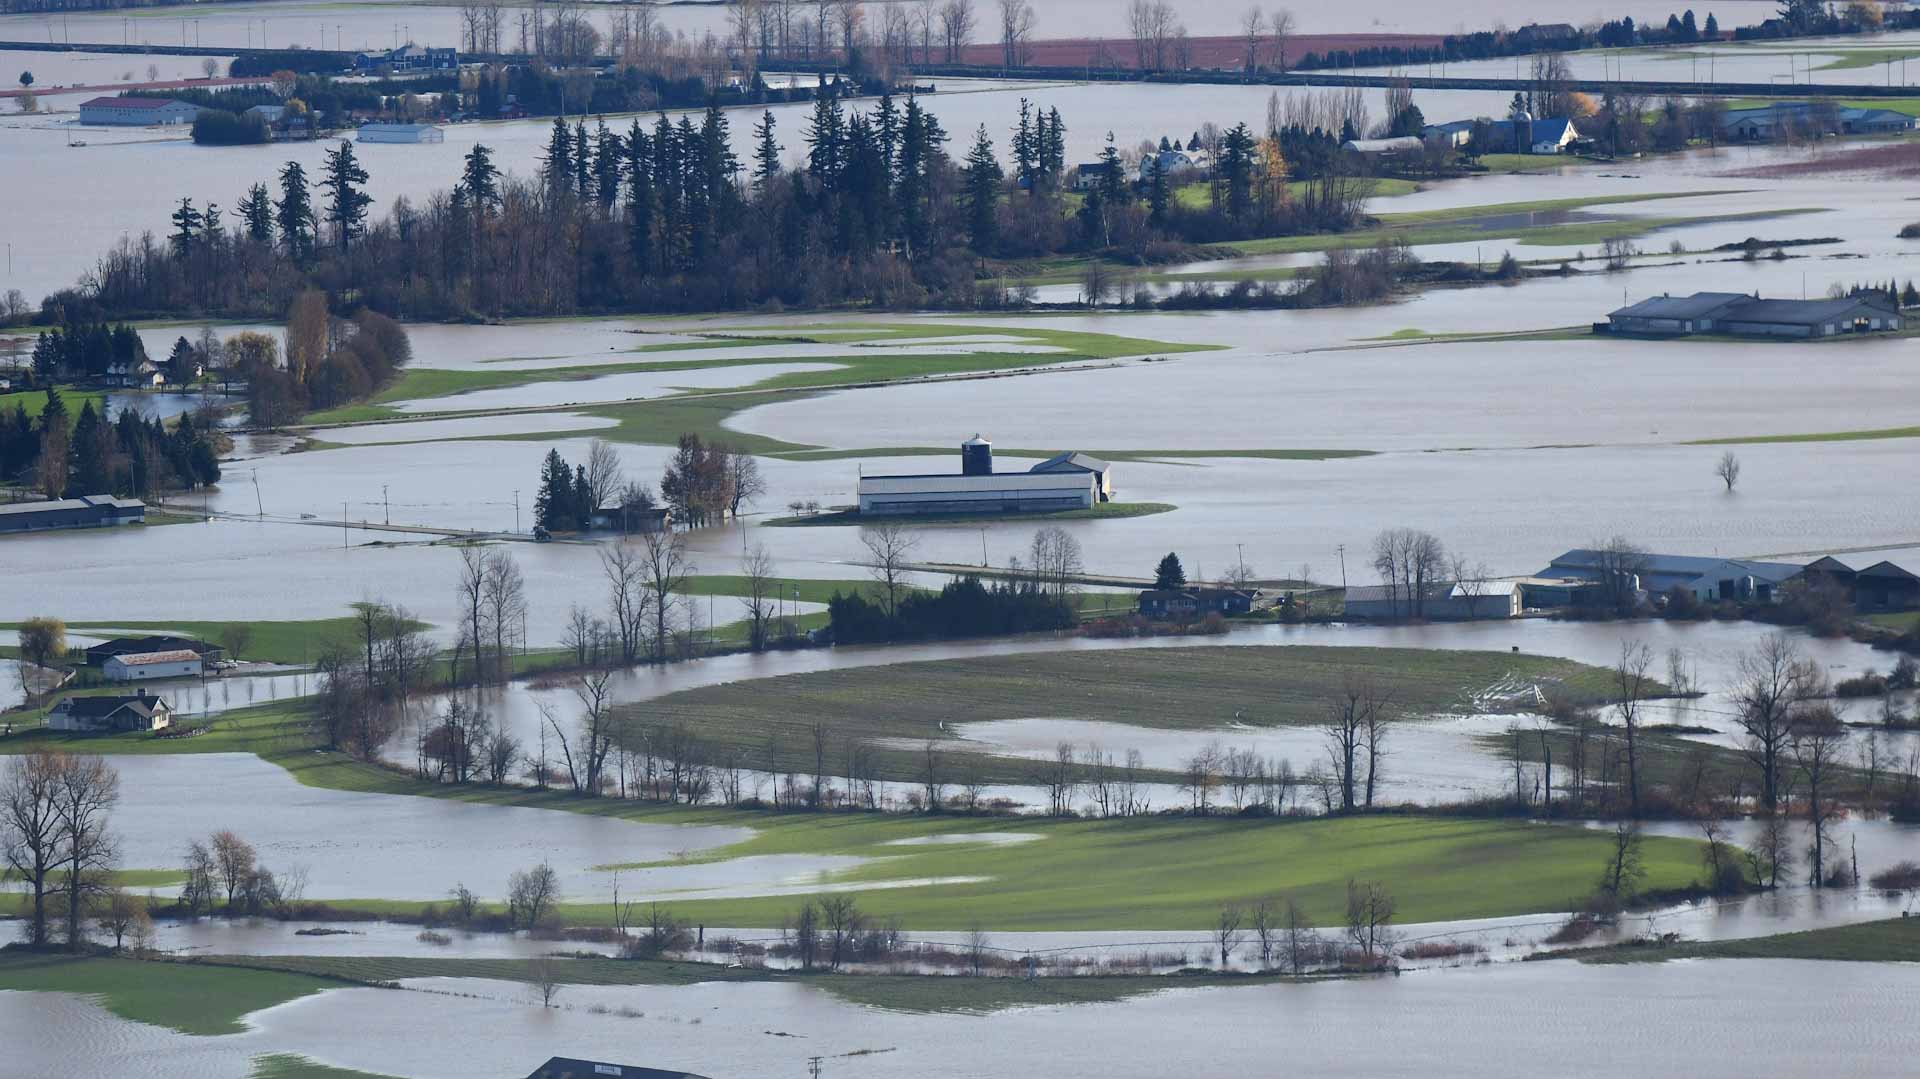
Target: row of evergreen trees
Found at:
964, 608
65, 455
667, 217
86, 350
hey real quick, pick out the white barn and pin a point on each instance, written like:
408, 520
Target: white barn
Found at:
136, 112
142, 666
999, 492
400, 133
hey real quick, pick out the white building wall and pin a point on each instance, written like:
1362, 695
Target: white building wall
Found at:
117, 671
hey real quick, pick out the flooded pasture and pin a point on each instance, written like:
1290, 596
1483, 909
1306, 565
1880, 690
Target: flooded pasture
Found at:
1723, 1018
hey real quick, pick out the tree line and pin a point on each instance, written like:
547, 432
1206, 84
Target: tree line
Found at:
64, 455
668, 218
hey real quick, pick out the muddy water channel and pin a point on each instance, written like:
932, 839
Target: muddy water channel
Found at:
1709, 1018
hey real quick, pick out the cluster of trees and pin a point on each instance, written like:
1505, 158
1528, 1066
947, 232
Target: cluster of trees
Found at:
86, 349
329, 361
64, 454
661, 219
1624, 33
365, 687
1036, 595
54, 836
225, 874
963, 608
568, 496
702, 484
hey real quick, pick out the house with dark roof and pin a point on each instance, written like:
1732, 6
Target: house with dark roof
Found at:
570, 1068
1185, 604
136, 111
139, 712
1074, 461
1752, 316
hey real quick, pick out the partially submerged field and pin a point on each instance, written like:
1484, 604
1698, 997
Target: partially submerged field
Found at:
1180, 688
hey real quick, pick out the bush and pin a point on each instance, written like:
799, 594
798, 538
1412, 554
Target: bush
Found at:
215, 127
1905, 674
1899, 877
1910, 231
1870, 684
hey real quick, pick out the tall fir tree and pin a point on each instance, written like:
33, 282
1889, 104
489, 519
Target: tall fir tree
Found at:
983, 176
766, 153
556, 165
346, 203
480, 179
293, 214
256, 209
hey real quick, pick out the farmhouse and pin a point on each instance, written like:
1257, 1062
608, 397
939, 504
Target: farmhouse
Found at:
86, 511
1063, 485
420, 133
1750, 316
136, 111
140, 712
144, 666
409, 57
1186, 603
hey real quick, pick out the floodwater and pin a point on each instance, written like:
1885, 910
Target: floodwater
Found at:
364, 25
378, 846
1725, 1018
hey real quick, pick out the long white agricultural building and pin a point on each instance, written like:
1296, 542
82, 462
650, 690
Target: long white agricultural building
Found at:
1001, 492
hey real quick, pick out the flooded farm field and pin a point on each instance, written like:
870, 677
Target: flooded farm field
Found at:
1722, 1018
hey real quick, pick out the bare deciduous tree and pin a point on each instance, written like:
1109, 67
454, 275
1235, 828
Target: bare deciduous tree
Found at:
664, 568
1370, 920
1624, 870
85, 791
1773, 686
1728, 469
890, 549
1226, 932
1633, 683
30, 830
1818, 741
506, 598
531, 895
762, 598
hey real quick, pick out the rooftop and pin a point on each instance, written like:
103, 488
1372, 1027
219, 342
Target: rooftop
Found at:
177, 655
130, 103
101, 707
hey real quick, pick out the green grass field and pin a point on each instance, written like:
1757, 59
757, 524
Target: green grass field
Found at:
188, 998
1196, 688
1144, 873
1895, 940
1816, 436
36, 400
663, 420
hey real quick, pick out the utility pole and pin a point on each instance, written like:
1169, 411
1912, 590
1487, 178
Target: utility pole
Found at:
1240, 554
258, 506
1343, 566
386, 511
343, 526
983, 548
516, 509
